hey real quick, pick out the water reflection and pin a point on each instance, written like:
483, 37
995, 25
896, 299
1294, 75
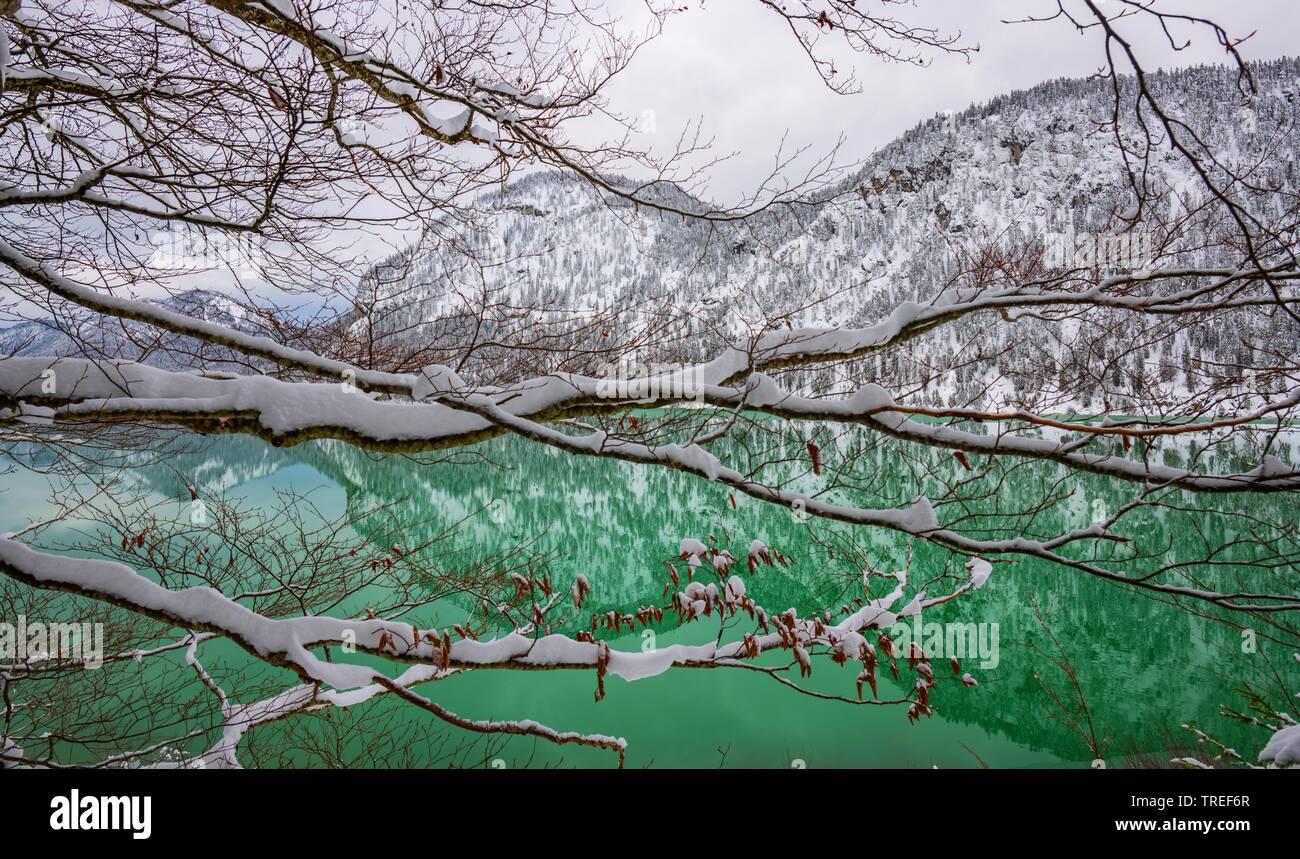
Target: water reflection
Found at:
1145, 667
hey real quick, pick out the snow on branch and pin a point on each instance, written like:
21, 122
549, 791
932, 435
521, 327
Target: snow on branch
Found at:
290, 412
288, 642
179, 323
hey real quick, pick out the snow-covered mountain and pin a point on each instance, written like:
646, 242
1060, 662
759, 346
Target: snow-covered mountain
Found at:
82, 333
1029, 167
1026, 169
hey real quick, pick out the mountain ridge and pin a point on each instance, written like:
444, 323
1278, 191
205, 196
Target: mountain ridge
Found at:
1024, 167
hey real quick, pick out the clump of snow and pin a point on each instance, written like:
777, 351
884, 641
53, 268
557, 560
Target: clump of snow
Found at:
691, 547
10, 753
1271, 466
1283, 749
736, 587
979, 570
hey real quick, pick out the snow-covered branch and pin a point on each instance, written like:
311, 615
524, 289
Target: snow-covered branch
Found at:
290, 642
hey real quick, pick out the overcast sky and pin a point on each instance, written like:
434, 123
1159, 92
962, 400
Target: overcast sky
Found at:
736, 64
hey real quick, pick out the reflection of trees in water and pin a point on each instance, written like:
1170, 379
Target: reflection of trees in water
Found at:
1145, 666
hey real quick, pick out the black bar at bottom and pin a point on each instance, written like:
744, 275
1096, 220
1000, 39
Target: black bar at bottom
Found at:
342, 807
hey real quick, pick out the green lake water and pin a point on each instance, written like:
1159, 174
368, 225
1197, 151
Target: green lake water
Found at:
1146, 667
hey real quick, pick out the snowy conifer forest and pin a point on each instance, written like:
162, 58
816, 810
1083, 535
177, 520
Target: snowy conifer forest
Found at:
383, 386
